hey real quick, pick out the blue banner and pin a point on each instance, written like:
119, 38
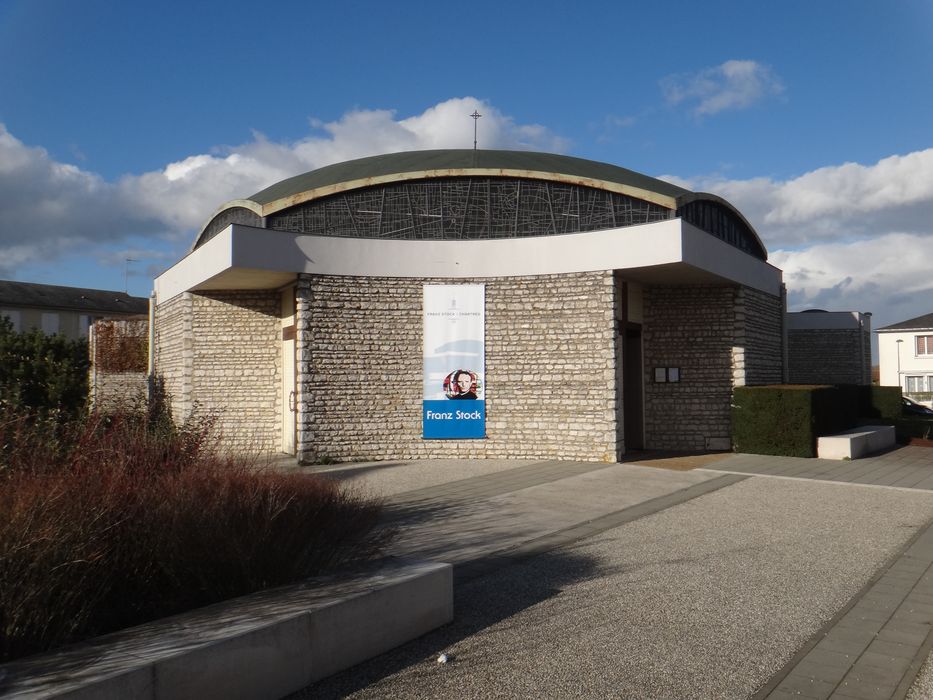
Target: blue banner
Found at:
445, 420
454, 397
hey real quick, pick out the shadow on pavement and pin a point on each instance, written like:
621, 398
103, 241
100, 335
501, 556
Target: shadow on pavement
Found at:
478, 604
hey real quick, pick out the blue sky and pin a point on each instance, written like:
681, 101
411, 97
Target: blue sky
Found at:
125, 125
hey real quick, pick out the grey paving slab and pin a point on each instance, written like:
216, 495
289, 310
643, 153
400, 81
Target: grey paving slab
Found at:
891, 650
806, 687
904, 467
903, 473
848, 640
925, 483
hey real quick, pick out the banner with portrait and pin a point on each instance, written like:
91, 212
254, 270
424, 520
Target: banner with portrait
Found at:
454, 395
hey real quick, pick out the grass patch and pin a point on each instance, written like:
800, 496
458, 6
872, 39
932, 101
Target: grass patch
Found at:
111, 521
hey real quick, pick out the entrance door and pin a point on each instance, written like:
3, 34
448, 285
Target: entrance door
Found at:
289, 398
633, 388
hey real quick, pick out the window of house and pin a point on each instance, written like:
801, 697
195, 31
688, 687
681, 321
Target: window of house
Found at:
50, 323
84, 323
14, 316
925, 344
913, 385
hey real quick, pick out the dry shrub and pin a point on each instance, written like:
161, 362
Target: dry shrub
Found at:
128, 524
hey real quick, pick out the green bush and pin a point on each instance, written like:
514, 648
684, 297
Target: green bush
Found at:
779, 420
880, 402
42, 373
121, 521
787, 419
908, 427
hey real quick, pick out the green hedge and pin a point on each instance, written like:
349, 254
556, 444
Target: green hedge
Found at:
880, 402
786, 419
913, 427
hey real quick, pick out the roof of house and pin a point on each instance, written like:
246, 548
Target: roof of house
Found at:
924, 322
71, 298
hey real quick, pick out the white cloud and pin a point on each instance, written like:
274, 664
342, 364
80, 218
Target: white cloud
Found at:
730, 85
848, 237
888, 275
51, 208
843, 202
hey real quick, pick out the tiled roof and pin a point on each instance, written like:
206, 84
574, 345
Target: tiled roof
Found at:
924, 322
72, 298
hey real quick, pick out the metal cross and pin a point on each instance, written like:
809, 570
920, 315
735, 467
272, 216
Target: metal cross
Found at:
476, 115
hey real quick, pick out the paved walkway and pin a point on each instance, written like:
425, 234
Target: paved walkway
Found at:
829, 593
904, 467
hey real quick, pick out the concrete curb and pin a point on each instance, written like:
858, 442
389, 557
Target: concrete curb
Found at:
266, 645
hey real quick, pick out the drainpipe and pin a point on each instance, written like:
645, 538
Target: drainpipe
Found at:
865, 331
150, 368
785, 351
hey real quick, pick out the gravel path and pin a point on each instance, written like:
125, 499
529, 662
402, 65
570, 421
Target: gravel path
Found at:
390, 478
704, 600
922, 688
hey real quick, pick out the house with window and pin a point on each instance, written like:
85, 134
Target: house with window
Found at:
66, 310
905, 353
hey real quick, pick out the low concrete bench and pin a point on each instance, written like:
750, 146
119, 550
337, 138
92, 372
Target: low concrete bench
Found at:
855, 443
265, 645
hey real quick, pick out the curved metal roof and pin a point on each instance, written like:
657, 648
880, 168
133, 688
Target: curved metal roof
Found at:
416, 165
442, 162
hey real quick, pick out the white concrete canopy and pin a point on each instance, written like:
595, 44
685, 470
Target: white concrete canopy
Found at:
665, 252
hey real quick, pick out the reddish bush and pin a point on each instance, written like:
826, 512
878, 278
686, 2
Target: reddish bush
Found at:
115, 524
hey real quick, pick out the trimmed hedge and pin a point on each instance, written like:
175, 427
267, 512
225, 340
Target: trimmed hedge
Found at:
785, 419
880, 402
912, 427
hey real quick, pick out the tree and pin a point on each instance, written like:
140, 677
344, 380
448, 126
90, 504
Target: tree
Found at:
42, 373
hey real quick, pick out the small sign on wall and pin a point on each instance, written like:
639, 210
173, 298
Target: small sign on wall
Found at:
666, 375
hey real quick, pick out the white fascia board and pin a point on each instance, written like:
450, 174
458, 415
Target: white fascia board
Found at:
706, 252
662, 245
635, 246
209, 260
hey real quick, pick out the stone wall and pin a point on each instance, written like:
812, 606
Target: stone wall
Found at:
174, 355
829, 356
220, 352
551, 359
759, 337
689, 327
550, 367
718, 337
110, 388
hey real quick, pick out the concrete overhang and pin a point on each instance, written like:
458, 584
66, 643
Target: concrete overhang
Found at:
665, 252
